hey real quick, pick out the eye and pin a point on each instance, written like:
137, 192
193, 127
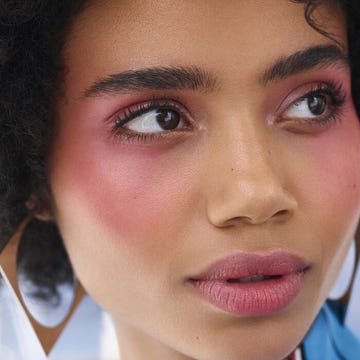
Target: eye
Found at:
311, 106
315, 110
152, 121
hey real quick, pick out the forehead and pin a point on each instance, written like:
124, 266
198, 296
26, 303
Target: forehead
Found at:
223, 37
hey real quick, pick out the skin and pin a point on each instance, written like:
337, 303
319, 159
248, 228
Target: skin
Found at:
138, 219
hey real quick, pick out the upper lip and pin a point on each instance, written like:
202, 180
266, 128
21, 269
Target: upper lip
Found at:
244, 264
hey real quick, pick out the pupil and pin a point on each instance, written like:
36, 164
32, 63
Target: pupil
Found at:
317, 104
167, 119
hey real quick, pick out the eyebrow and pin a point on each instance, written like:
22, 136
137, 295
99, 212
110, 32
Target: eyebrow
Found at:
314, 57
195, 78
154, 78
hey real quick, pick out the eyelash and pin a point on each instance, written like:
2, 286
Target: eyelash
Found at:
331, 89
133, 111
337, 97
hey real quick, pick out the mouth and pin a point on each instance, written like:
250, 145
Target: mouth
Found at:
252, 284
253, 279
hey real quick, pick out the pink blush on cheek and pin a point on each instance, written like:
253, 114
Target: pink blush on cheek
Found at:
329, 173
116, 198
125, 194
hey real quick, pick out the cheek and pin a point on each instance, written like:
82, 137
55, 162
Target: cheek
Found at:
329, 190
332, 176
130, 199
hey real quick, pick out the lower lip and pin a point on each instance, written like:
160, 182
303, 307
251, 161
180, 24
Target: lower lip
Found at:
253, 298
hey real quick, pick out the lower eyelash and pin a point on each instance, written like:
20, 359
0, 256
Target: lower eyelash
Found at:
338, 98
136, 110
332, 89
118, 129
139, 137
330, 119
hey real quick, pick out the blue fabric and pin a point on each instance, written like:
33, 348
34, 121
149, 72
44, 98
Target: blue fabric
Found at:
329, 339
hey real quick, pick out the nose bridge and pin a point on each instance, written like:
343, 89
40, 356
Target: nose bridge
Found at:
247, 178
254, 165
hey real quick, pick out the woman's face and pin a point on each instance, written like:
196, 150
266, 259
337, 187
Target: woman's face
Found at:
193, 132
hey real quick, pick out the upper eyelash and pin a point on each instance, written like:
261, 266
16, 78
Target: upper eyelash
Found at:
338, 98
332, 89
136, 110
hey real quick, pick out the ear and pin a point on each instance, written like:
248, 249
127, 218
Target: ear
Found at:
40, 205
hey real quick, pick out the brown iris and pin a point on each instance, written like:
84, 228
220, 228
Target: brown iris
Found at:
317, 104
167, 119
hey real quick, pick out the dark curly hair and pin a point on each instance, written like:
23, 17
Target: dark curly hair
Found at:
32, 35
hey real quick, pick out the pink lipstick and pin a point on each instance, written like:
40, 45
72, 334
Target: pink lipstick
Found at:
252, 284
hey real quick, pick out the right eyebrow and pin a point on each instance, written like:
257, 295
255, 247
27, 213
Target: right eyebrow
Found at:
154, 78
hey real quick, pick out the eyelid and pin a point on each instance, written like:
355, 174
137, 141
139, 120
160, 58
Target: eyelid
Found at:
129, 113
166, 137
336, 95
301, 92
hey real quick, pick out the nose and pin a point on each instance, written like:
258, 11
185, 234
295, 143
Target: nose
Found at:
247, 186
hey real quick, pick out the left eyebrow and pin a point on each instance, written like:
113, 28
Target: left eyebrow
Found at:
314, 57
154, 78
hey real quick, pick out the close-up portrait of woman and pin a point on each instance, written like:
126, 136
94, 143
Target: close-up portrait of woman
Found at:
193, 167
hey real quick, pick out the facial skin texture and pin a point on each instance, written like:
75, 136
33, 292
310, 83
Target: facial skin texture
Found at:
138, 219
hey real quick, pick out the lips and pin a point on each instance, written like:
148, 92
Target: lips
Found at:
252, 284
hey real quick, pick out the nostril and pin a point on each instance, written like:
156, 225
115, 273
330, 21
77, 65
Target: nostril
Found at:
281, 214
278, 216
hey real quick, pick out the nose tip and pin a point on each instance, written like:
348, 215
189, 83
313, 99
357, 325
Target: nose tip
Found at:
253, 201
